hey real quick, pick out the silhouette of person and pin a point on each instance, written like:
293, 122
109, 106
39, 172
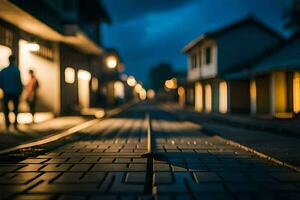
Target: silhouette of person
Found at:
12, 87
31, 92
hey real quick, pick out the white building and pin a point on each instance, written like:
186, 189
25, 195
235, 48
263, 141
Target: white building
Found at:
216, 53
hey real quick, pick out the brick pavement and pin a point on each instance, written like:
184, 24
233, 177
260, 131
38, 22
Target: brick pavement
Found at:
107, 164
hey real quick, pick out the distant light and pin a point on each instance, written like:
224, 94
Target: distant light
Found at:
32, 46
138, 88
150, 94
171, 84
119, 89
95, 84
111, 62
181, 91
84, 75
69, 75
131, 81
143, 94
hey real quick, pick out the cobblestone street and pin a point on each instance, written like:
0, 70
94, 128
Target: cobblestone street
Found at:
105, 161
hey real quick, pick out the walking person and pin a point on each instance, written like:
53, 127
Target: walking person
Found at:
31, 92
12, 87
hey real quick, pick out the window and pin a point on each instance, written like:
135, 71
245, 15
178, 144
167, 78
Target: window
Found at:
194, 61
200, 58
208, 55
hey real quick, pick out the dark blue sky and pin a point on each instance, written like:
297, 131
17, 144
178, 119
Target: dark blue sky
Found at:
147, 32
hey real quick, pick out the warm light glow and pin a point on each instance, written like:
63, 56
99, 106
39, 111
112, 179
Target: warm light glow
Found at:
131, 81
296, 92
84, 75
150, 94
111, 62
84, 78
171, 84
253, 95
198, 97
181, 91
119, 89
208, 98
223, 97
181, 94
138, 88
95, 84
143, 94
1, 94
279, 92
32, 46
69, 75
5, 52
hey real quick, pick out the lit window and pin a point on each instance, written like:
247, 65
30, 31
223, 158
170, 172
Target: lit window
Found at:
84, 75
69, 75
208, 55
194, 61
223, 97
208, 98
296, 92
198, 97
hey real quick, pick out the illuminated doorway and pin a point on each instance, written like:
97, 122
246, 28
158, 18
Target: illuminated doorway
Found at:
198, 97
48, 74
119, 90
296, 92
208, 98
84, 78
223, 97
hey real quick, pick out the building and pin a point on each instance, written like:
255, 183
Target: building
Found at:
275, 81
112, 83
60, 41
214, 54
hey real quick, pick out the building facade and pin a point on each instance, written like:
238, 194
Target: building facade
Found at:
216, 53
275, 81
67, 60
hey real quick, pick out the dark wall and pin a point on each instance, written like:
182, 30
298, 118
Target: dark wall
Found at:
239, 96
69, 92
263, 94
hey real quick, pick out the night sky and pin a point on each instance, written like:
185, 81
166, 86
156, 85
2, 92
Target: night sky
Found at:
147, 32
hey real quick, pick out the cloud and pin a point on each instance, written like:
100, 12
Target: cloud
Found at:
124, 10
146, 36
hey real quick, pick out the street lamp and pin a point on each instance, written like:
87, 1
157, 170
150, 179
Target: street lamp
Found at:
131, 81
111, 61
171, 84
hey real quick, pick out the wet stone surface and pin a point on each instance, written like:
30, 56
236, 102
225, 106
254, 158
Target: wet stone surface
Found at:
108, 164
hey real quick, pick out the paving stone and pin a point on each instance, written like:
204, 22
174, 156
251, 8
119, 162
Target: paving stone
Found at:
56, 167
110, 167
287, 176
81, 167
233, 176
33, 197
207, 177
33, 160
163, 178
135, 177
18, 178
